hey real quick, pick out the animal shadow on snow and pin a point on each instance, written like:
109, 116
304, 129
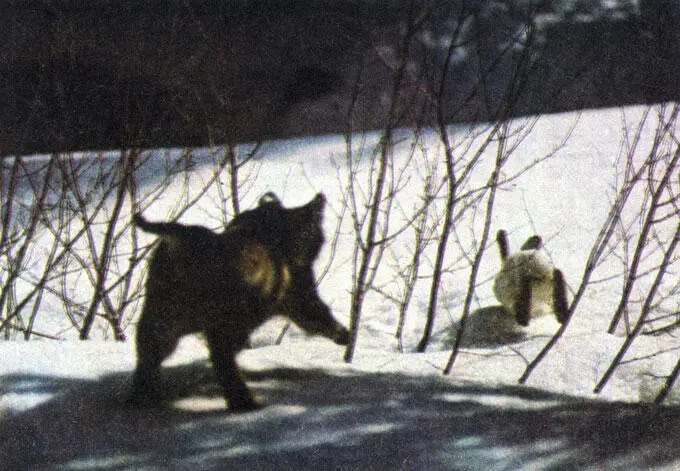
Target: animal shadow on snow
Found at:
488, 327
320, 420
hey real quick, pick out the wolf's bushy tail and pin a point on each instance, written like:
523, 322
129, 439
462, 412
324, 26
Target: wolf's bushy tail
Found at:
154, 228
160, 228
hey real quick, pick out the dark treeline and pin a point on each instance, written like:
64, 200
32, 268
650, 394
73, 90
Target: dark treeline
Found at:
110, 75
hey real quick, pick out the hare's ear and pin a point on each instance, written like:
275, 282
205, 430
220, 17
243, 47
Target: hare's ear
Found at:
533, 243
502, 240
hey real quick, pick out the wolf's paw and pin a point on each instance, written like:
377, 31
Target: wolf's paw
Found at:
243, 405
143, 401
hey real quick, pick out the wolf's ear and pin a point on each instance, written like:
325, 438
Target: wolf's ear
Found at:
319, 201
269, 197
317, 205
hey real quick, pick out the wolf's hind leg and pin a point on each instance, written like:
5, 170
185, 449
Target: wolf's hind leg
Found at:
560, 304
222, 354
154, 344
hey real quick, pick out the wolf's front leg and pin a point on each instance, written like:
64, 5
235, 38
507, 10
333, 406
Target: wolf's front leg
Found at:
304, 307
315, 317
222, 354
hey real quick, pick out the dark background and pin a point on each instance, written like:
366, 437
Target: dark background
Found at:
107, 74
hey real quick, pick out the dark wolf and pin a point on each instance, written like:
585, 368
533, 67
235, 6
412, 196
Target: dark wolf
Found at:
227, 284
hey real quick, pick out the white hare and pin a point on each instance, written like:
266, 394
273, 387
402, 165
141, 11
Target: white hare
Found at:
528, 284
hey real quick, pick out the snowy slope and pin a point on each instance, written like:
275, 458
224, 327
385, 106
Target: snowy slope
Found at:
62, 404
389, 411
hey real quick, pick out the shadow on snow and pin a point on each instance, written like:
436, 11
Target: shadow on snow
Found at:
320, 420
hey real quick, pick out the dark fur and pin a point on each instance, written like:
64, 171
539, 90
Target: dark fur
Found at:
535, 242
503, 245
226, 285
560, 303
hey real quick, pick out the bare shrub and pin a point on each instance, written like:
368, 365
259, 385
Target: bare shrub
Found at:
640, 233
66, 238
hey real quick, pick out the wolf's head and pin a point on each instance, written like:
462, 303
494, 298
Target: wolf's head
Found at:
281, 246
293, 234
306, 232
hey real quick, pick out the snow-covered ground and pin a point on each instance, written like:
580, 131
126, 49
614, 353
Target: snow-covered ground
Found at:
62, 404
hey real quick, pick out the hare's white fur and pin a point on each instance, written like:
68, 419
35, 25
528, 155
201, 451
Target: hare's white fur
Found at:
530, 264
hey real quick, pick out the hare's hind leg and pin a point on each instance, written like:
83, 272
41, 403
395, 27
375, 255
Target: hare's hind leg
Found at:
523, 302
560, 304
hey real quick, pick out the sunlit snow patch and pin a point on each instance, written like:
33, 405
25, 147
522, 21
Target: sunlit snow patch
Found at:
497, 400
22, 401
